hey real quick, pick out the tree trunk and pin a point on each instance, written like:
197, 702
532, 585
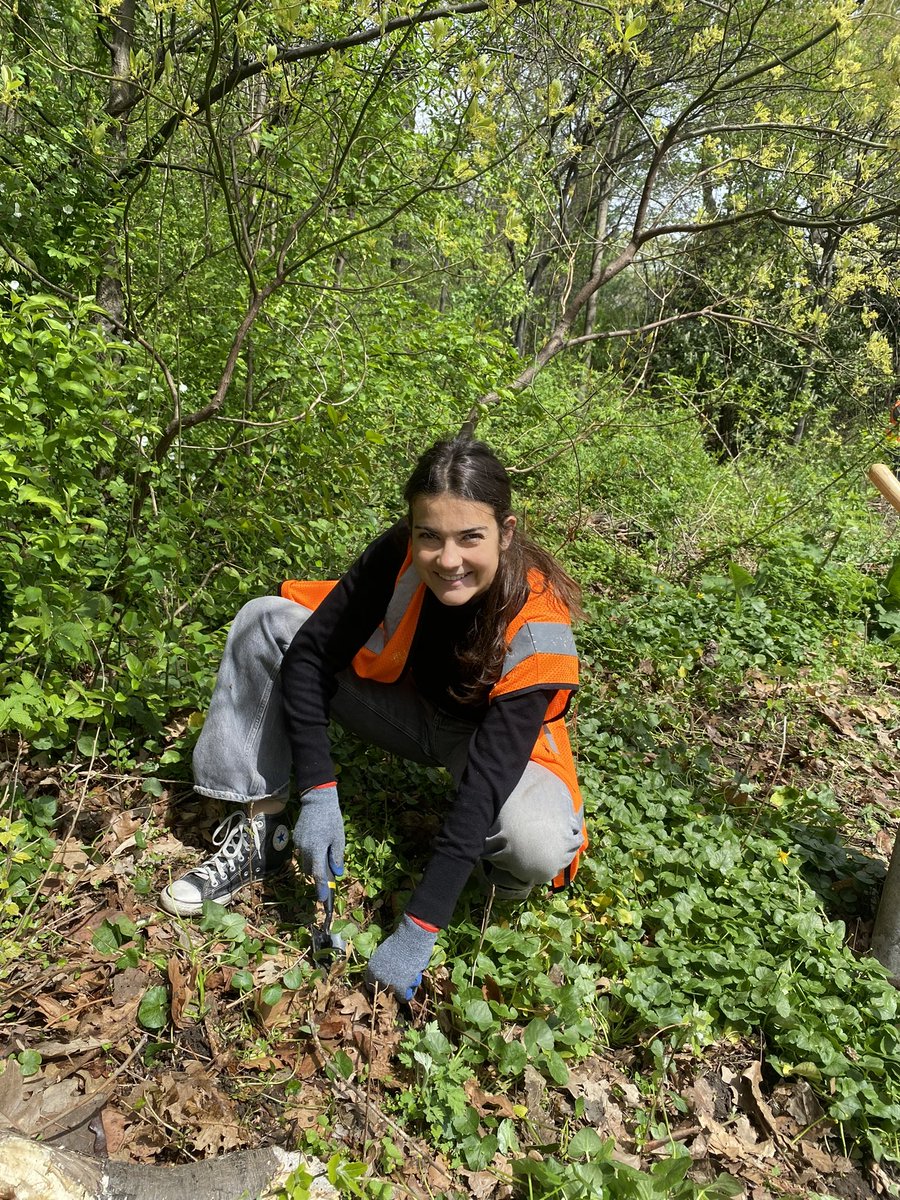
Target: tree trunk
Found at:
24, 24
590, 313
886, 933
33, 1171
110, 293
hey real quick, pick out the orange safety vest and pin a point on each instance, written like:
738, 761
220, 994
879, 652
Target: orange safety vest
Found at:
540, 653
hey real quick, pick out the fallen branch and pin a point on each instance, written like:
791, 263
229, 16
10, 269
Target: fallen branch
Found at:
32, 1171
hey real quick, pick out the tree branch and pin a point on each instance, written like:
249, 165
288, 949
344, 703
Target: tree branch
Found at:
212, 95
777, 218
783, 127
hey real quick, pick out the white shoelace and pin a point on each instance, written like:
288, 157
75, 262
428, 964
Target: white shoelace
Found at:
229, 836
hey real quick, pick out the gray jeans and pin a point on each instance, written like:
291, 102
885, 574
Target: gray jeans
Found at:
243, 753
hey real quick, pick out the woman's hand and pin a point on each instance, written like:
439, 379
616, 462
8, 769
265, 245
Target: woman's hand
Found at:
319, 836
399, 961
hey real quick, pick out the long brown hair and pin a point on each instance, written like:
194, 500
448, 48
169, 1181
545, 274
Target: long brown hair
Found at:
470, 470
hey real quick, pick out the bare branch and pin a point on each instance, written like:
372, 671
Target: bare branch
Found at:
212, 95
777, 218
796, 130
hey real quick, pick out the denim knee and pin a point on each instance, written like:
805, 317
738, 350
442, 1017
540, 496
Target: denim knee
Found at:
272, 618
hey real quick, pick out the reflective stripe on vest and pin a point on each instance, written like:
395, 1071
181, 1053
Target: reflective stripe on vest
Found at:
383, 658
384, 655
540, 654
540, 649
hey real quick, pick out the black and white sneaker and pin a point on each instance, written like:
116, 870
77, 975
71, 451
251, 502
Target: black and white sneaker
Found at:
249, 848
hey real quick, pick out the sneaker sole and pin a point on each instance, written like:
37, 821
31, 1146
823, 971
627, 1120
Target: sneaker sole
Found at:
192, 908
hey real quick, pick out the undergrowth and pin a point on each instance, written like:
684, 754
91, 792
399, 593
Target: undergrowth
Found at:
706, 911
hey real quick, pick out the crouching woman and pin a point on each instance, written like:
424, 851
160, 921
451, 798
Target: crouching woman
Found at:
447, 642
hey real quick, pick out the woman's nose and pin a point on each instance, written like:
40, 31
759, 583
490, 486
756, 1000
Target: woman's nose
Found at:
449, 556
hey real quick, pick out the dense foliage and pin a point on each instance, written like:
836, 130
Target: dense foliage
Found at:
254, 257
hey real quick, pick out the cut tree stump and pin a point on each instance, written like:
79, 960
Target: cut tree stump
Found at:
30, 1170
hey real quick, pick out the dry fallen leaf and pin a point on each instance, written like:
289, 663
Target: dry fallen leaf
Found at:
17, 1110
481, 1185
52, 1010
736, 1142
836, 719
114, 1129
798, 1100
378, 1050
756, 1104
70, 856
334, 1027
288, 1009
356, 1005
128, 985
600, 1109
191, 1102
180, 988
488, 1105
822, 1162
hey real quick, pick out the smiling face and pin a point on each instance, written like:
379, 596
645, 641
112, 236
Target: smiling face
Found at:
456, 545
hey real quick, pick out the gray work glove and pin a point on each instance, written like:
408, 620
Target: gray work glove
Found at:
319, 837
399, 961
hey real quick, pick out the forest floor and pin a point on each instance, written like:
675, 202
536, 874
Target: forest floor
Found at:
163, 1040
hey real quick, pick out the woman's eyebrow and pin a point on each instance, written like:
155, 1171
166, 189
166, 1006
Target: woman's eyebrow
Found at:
459, 532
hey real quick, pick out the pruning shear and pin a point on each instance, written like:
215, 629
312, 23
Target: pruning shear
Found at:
325, 944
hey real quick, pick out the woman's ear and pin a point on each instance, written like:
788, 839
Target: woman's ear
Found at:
507, 529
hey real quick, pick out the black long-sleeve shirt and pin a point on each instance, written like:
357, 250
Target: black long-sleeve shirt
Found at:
505, 730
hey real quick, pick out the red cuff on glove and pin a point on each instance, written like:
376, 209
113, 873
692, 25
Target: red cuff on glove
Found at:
424, 924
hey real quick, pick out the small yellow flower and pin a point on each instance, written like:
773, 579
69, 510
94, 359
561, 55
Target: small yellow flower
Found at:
782, 856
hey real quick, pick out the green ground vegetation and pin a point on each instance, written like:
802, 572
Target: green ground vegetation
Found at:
729, 861
253, 258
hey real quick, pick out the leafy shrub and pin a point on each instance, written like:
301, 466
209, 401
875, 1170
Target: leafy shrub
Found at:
26, 847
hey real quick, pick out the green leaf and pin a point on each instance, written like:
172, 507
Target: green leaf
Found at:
806, 1070
87, 745
272, 994
107, 938
892, 582
233, 926
741, 578
480, 1015
131, 958
211, 915
479, 1151
153, 1012
30, 495
513, 1058
126, 927
342, 1064
242, 981
556, 1068
670, 1172
30, 1061
588, 1144
538, 1036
